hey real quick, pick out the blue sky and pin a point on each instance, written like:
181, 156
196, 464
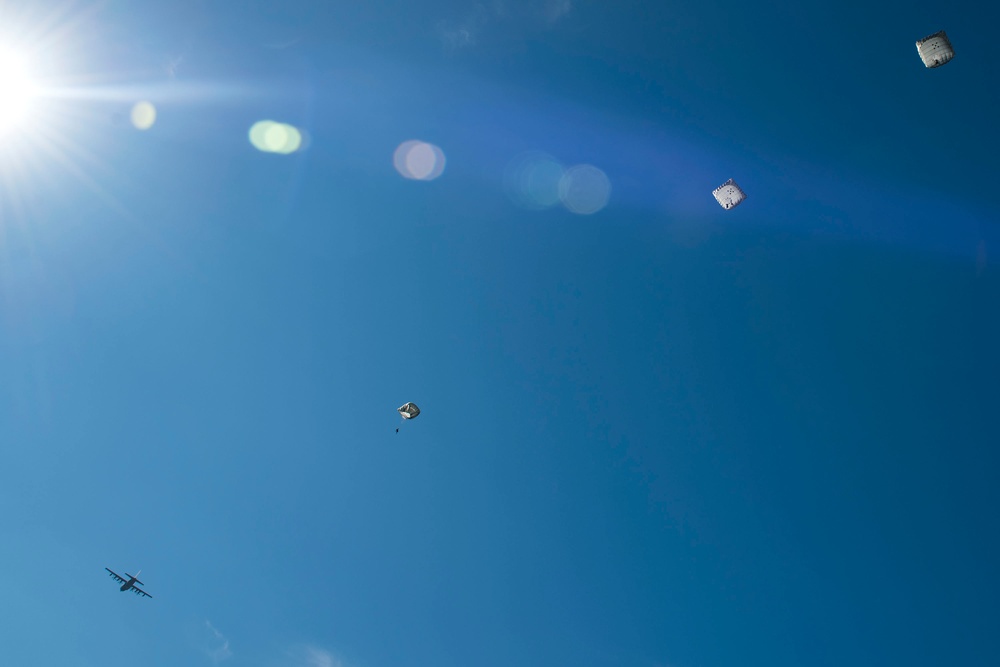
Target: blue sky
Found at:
659, 435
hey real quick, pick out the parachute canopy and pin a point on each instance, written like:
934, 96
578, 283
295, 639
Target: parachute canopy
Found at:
408, 411
729, 195
935, 50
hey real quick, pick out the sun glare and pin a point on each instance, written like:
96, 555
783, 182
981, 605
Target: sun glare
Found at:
16, 90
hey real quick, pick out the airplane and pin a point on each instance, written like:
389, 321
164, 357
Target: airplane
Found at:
130, 583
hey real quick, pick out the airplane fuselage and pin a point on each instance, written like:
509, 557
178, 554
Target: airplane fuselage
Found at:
127, 585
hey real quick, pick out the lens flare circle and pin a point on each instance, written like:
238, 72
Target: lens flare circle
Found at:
418, 160
143, 115
584, 189
532, 180
269, 136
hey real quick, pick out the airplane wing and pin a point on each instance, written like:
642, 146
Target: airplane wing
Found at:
140, 592
116, 577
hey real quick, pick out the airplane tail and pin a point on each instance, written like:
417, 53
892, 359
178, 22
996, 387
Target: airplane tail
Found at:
136, 575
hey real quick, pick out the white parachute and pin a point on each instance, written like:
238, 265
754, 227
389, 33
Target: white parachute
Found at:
729, 195
935, 50
408, 411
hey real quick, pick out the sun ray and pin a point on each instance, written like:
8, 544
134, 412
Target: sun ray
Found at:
16, 90
75, 94
70, 155
40, 61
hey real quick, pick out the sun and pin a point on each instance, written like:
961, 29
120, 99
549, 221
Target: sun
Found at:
16, 90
